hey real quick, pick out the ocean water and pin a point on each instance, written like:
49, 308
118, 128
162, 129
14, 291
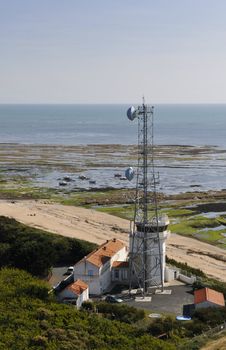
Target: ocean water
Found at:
195, 125
100, 124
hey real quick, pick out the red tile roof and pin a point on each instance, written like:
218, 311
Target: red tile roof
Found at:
120, 264
211, 295
105, 252
77, 287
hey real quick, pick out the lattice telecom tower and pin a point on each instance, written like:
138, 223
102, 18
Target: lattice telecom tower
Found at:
148, 231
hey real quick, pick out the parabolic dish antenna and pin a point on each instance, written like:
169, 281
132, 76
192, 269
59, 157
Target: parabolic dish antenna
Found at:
129, 173
131, 113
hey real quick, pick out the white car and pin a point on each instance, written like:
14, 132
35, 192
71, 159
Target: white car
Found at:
70, 270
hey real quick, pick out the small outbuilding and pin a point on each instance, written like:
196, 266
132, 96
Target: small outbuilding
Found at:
75, 293
207, 297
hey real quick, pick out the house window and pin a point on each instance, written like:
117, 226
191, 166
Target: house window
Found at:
116, 274
90, 272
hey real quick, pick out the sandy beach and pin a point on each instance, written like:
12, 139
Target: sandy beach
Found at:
96, 227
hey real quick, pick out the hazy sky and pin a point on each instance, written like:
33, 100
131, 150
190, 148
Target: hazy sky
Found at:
112, 51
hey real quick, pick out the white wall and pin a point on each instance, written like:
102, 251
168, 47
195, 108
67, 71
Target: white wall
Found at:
83, 267
82, 297
121, 255
101, 279
105, 280
171, 274
72, 295
186, 279
82, 270
105, 271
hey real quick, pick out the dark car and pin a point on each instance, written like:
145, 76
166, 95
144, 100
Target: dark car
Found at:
112, 299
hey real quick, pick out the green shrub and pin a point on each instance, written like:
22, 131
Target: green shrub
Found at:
36, 251
28, 322
211, 283
162, 326
211, 316
39, 341
88, 305
123, 313
185, 267
173, 328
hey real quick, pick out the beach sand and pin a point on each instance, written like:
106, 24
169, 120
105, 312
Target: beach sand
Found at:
97, 227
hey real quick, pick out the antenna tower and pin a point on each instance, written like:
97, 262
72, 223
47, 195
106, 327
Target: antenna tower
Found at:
147, 232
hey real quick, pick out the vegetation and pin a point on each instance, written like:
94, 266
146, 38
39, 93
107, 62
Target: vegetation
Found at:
211, 283
185, 267
167, 327
216, 343
184, 219
222, 220
199, 227
31, 319
193, 225
123, 313
36, 251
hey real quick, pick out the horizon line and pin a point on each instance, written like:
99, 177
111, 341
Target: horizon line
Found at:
110, 103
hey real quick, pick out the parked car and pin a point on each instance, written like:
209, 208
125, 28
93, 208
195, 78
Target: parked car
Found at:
113, 299
70, 270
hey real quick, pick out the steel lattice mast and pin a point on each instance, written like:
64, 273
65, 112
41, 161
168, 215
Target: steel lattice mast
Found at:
146, 257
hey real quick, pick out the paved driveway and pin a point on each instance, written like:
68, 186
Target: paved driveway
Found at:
172, 303
160, 303
58, 274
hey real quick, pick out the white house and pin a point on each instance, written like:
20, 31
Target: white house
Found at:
96, 268
74, 293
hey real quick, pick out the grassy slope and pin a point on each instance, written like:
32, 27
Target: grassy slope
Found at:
31, 319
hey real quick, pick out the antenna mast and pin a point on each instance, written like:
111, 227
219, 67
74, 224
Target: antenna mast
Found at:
148, 231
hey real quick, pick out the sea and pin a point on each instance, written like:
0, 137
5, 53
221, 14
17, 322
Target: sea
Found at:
203, 124
181, 124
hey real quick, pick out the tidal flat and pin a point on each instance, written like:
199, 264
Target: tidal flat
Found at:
191, 181
180, 169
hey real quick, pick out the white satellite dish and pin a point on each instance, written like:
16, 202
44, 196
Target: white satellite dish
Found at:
131, 113
129, 173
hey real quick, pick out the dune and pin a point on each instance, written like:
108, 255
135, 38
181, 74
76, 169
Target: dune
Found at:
97, 227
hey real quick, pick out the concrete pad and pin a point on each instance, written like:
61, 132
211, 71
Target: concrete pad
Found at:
143, 299
155, 315
164, 292
174, 283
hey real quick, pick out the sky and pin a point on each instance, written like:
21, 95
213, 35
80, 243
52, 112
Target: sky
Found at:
112, 51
